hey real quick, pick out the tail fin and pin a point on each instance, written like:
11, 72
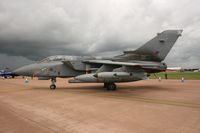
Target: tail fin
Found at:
157, 48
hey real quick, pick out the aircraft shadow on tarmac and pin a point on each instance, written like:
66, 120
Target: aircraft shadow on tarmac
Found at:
99, 89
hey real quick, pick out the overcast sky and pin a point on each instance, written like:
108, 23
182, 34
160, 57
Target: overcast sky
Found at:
33, 29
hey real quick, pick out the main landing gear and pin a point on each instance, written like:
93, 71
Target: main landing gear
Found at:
53, 86
110, 86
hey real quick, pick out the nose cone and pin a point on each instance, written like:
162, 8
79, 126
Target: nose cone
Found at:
25, 70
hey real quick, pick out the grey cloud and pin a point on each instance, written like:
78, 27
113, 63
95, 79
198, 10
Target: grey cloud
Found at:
33, 29
7, 61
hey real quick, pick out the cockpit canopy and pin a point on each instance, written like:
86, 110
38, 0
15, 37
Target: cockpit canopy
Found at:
64, 58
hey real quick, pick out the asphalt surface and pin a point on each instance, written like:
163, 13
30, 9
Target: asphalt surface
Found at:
150, 106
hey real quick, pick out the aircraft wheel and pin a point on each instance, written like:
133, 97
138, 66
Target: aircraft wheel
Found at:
53, 87
111, 87
105, 85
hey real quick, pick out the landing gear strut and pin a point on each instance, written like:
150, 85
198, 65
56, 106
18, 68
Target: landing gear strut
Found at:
53, 86
110, 86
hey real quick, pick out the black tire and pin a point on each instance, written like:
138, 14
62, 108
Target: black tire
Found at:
52, 87
105, 85
111, 87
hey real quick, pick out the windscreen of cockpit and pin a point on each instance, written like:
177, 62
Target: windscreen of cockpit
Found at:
59, 58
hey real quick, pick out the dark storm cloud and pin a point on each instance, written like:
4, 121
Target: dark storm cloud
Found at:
33, 29
13, 62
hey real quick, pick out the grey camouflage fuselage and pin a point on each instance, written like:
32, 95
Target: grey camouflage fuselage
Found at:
130, 66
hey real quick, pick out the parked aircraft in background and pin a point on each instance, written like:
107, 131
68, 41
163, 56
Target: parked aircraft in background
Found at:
131, 66
7, 74
174, 69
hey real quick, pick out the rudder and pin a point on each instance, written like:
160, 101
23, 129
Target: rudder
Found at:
159, 46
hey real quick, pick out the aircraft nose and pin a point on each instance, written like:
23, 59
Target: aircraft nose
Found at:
24, 71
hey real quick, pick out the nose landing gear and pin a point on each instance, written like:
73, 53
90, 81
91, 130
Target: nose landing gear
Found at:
53, 86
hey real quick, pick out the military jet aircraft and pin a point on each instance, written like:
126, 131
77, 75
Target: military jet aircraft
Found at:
132, 65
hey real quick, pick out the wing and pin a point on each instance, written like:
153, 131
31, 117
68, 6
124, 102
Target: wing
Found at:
147, 66
136, 64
